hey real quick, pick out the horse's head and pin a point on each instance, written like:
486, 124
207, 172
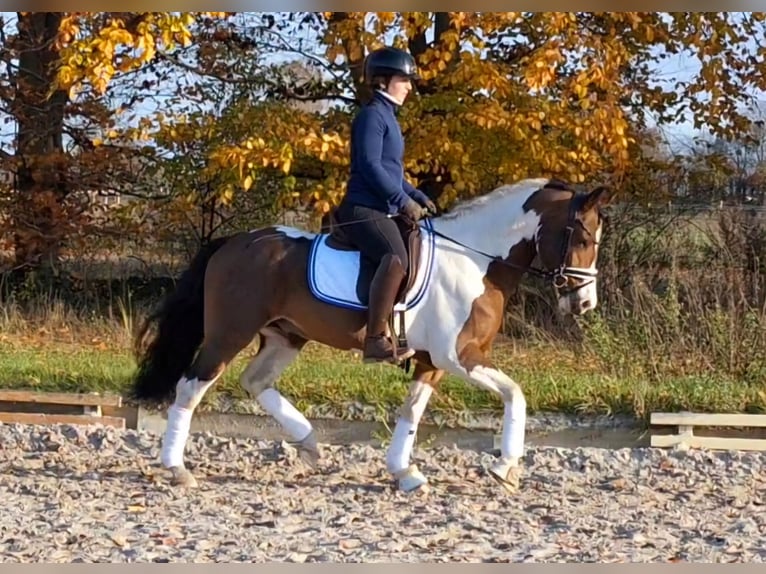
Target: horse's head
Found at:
567, 242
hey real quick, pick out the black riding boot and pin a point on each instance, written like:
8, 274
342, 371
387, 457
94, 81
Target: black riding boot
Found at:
383, 290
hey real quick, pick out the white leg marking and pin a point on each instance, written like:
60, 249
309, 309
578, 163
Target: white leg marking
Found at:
405, 431
515, 409
258, 379
261, 374
408, 476
291, 419
514, 423
189, 393
506, 470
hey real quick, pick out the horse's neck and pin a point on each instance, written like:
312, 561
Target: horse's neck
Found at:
493, 228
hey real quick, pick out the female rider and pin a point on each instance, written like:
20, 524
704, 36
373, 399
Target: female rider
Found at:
377, 189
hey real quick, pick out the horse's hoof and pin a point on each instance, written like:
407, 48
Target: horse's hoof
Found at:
310, 457
181, 476
308, 450
411, 480
507, 475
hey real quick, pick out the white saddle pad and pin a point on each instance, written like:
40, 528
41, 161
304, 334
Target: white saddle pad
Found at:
333, 274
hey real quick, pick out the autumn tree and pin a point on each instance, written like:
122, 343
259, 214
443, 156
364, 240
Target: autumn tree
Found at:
510, 95
40, 197
203, 100
74, 144
201, 192
213, 72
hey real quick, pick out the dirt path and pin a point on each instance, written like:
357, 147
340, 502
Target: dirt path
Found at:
77, 494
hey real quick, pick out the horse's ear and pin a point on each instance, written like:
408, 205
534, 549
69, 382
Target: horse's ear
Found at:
598, 198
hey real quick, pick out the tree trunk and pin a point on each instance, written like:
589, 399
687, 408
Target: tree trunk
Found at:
433, 183
41, 185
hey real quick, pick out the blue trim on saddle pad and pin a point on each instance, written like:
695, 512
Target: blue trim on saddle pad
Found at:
344, 295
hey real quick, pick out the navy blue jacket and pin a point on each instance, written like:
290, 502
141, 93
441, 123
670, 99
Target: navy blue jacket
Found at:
377, 153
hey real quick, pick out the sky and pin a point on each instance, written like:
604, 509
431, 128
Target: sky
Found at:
678, 67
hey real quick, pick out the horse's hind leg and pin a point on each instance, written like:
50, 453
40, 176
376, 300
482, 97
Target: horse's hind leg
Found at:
277, 350
214, 355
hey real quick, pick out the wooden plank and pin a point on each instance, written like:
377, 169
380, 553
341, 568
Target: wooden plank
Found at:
52, 419
710, 442
91, 410
85, 399
709, 419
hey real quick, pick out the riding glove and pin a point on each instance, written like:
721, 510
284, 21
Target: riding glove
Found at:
413, 210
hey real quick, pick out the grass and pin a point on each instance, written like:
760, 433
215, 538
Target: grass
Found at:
87, 359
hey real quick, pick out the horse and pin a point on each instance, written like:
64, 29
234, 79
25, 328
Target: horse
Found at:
287, 286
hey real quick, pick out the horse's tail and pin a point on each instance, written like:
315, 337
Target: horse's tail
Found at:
179, 320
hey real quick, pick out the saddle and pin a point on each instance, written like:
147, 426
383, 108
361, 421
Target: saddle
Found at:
410, 232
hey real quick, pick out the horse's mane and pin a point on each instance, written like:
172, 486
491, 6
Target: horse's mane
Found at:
469, 205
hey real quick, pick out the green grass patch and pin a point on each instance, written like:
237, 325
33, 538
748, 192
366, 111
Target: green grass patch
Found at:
321, 376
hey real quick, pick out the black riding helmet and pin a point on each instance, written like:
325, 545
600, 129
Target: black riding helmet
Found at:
389, 61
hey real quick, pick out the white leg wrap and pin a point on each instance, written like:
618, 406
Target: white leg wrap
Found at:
176, 433
290, 418
514, 423
403, 439
400, 449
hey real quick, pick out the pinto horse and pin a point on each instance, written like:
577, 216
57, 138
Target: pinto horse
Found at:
288, 287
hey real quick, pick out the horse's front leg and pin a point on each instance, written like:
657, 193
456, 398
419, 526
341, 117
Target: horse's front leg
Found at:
408, 476
475, 366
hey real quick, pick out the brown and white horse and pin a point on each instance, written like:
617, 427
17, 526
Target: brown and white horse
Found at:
289, 287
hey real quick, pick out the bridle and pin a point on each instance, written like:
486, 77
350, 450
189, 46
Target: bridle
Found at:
563, 272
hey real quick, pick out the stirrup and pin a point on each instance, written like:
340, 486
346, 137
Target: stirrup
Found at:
390, 355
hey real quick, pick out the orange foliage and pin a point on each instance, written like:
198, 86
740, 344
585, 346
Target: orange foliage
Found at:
506, 95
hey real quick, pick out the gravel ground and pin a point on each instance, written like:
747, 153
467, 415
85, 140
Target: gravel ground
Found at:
97, 495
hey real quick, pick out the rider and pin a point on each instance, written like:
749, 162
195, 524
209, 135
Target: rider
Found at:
377, 188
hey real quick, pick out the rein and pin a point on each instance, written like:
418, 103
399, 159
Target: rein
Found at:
559, 275
497, 258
